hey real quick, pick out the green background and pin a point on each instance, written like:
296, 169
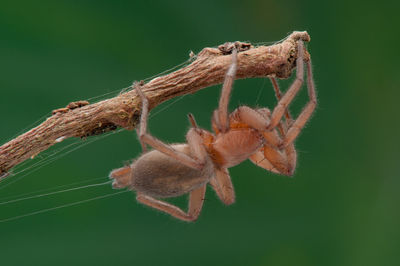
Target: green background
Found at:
341, 207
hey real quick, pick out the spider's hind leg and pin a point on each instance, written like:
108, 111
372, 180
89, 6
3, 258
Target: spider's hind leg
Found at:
193, 139
196, 200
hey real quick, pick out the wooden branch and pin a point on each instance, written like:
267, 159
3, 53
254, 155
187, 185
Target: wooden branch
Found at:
81, 119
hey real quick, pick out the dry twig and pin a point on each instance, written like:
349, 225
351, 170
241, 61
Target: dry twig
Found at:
81, 119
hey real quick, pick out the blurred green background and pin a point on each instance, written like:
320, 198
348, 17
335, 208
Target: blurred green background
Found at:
341, 207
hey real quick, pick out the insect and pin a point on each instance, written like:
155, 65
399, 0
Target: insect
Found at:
264, 137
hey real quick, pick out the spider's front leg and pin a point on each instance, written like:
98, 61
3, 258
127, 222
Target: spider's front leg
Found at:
284, 102
295, 126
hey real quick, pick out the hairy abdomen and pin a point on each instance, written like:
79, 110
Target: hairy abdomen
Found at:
158, 175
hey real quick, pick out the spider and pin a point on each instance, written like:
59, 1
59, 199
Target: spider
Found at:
257, 134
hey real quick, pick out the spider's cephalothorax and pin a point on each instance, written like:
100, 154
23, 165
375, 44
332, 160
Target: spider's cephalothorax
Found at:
264, 137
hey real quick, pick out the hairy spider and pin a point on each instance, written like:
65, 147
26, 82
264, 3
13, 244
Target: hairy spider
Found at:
257, 134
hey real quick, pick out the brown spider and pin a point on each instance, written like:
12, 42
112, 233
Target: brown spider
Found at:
176, 169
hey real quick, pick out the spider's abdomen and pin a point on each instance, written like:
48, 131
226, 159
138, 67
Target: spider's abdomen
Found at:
161, 176
236, 145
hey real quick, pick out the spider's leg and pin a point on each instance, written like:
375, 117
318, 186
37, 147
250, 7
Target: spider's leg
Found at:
284, 102
222, 185
278, 95
269, 157
283, 126
305, 114
221, 115
286, 158
284, 161
195, 141
259, 121
259, 159
196, 200
144, 147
